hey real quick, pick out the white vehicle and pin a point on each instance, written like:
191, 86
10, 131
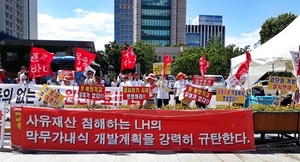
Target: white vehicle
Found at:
219, 83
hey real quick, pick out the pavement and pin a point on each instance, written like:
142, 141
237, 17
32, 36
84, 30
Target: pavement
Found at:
257, 156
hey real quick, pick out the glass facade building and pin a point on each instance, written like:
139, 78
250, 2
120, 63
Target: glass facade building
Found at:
18, 18
204, 27
155, 22
123, 21
150, 21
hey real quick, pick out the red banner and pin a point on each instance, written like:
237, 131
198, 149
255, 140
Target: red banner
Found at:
83, 59
124, 130
128, 59
40, 61
136, 93
203, 81
203, 65
197, 94
92, 92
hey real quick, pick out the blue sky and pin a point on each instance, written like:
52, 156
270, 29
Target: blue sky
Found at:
93, 19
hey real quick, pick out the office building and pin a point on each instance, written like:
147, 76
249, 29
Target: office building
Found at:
19, 18
203, 28
123, 21
159, 22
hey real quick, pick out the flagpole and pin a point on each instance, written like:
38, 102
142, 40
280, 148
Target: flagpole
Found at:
27, 84
73, 91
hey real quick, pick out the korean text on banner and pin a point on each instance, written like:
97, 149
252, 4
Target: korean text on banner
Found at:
282, 83
198, 94
136, 93
230, 95
50, 96
158, 67
203, 81
93, 92
120, 130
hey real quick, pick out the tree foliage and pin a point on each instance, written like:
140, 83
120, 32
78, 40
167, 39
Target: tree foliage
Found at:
273, 26
146, 56
215, 53
145, 53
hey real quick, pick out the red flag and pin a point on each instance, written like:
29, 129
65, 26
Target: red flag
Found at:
83, 59
128, 59
204, 65
244, 68
167, 60
298, 70
40, 61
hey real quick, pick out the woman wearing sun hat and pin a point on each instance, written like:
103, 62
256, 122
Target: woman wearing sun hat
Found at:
179, 86
152, 92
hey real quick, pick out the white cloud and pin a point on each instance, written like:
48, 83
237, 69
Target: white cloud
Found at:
244, 39
79, 10
90, 26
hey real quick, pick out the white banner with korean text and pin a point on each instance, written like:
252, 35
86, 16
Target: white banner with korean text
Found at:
27, 95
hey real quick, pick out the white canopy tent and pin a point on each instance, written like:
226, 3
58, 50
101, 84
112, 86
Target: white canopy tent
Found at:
273, 55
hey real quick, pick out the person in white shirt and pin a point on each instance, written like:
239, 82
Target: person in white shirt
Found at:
144, 80
123, 80
68, 82
163, 89
131, 81
179, 86
152, 91
137, 79
114, 83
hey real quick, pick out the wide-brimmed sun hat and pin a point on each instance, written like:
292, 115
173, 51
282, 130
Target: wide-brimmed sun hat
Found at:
67, 78
151, 76
181, 74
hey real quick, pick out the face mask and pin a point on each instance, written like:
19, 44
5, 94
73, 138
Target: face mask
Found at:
2, 76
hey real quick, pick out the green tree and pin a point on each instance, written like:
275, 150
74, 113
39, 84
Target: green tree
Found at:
215, 53
113, 55
187, 61
146, 56
273, 26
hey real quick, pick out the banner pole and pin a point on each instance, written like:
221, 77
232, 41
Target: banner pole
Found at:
3, 107
27, 84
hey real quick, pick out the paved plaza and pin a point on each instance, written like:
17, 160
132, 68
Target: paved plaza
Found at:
258, 156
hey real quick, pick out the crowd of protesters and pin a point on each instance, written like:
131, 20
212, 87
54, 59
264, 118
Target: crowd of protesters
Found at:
160, 87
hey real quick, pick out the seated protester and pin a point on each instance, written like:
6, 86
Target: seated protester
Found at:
114, 83
53, 80
3, 77
90, 79
152, 91
81, 80
68, 82
24, 78
16, 81
287, 101
32, 81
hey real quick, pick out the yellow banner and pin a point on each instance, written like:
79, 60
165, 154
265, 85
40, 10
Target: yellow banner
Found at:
230, 95
282, 83
50, 96
158, 67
